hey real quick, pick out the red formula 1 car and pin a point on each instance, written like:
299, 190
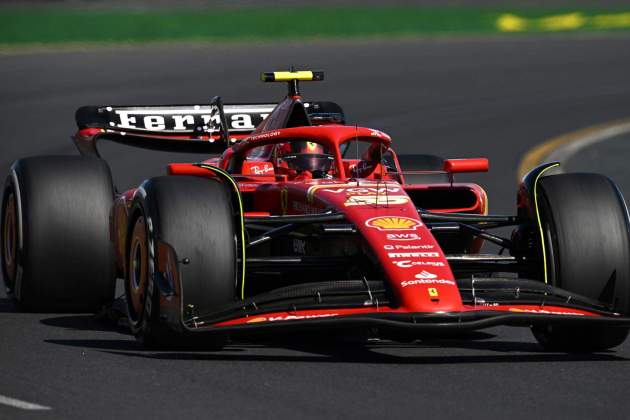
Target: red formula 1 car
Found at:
304, 224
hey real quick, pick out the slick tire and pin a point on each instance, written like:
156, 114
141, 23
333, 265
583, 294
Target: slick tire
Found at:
585, 225
56, 250
193, 216
423, 163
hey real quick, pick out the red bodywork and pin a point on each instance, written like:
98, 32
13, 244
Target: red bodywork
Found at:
381, 207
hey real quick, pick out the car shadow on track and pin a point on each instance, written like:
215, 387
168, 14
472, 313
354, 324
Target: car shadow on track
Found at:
8, 305
326, 349
84, 322
379, 353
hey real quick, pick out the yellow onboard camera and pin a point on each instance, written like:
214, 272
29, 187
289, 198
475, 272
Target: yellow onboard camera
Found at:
293, 78
288, 76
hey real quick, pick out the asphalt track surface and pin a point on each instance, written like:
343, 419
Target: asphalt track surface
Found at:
456, 98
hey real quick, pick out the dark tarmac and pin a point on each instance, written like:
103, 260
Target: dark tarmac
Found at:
494, 97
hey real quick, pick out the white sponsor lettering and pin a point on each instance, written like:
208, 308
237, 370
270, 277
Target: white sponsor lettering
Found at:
182, 121
125, 120
365, 190
288, 318
426, 281
216, 119
407, 247
410, 264
265, 135
366, 200
242, 121
424, 274
403, 237
261, 170
544, 311
154, 122
413, 254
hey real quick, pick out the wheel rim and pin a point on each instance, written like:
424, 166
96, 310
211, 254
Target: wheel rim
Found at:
10, 238
137, 271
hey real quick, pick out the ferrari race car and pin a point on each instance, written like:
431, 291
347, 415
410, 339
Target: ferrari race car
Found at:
304, 225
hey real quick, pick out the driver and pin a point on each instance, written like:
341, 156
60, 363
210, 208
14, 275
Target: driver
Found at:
305, 159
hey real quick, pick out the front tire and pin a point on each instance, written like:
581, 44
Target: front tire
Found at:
193, 216
586, 229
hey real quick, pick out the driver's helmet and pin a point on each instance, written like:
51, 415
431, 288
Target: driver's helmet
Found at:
308, 156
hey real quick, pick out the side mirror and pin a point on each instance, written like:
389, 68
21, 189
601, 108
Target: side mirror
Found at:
453, 166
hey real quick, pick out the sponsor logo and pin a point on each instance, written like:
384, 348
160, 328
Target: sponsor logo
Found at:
424, 274
413, 254
366, 200
385, 223
265, 135
363, 190
544, 311
403, 237
410, 264
424, 282
354, 188
433, 292
191, 118
261, 170
287, 318
483, 302
407, 247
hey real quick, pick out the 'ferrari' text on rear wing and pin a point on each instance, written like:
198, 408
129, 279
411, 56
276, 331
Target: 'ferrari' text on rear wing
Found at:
206, 128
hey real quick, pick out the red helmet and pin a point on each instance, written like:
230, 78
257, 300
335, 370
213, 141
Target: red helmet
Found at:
306, 156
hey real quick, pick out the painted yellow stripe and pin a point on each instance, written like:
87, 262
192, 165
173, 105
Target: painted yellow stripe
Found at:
536, 156
540, 229
240, 206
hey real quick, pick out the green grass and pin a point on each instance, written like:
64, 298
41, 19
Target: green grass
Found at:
25, 26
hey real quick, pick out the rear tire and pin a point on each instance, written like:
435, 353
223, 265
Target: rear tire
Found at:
194, 216
585, 223
56, 250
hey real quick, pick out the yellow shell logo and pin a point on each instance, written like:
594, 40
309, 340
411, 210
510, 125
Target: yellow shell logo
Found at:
393, 223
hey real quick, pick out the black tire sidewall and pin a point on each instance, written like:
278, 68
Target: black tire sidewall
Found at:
195, 217
67, 259
585, 227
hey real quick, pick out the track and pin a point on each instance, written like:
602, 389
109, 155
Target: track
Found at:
483, 97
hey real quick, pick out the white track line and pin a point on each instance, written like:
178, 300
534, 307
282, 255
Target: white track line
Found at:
24, 405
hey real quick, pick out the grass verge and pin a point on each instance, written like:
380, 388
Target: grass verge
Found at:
40, 26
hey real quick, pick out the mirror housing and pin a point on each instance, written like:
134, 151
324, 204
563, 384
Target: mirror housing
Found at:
453, 166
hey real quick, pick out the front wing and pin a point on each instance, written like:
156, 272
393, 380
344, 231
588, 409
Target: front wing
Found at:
388, 320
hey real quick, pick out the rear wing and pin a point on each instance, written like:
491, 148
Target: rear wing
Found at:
207, 128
